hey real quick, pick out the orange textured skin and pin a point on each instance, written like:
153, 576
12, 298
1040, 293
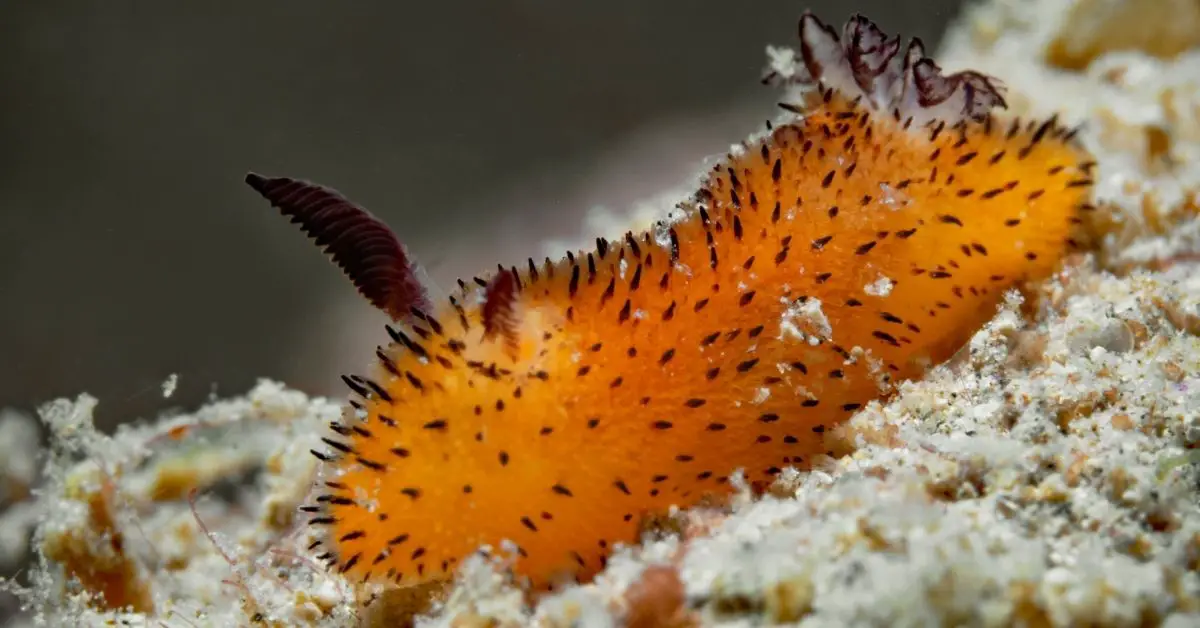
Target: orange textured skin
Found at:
556, 407
646, 383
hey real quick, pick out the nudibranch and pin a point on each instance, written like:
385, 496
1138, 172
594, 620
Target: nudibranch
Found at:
552, 405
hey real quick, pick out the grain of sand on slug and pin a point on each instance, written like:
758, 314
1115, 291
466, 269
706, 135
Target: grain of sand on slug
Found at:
864, 237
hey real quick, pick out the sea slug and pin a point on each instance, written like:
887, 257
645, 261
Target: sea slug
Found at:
861, 239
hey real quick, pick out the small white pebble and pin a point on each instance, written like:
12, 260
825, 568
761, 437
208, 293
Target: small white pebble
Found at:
881, 287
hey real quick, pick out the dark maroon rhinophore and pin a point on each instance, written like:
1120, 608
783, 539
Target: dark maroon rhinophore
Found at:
499, 317
360, 244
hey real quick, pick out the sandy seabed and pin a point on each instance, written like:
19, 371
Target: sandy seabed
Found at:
1048, 475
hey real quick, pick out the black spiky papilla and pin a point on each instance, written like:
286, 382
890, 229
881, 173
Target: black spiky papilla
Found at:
364, 247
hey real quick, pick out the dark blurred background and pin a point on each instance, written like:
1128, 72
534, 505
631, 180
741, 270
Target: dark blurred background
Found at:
130, 249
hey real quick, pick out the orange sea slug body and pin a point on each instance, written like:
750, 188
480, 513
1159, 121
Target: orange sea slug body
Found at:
553, 406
